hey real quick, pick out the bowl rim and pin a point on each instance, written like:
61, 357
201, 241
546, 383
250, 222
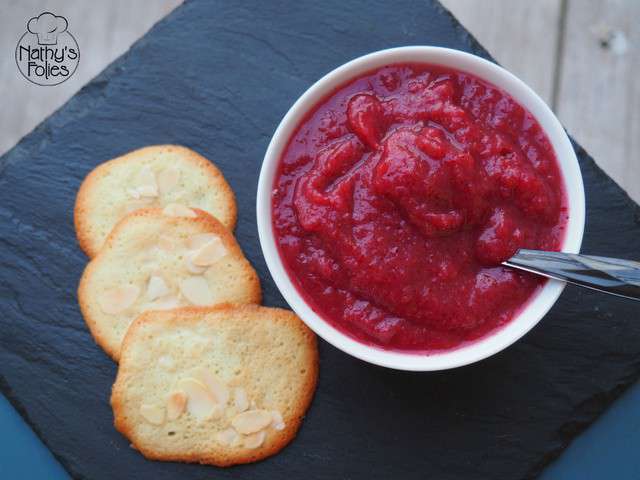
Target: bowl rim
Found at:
531, 313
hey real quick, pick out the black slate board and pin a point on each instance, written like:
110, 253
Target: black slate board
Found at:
218, 77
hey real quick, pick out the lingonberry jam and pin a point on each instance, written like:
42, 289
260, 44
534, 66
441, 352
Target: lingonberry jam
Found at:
399, 195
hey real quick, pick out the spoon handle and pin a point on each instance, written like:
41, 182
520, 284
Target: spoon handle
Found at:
609, 275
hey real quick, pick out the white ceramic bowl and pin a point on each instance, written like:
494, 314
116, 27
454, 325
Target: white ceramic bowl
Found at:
531, 314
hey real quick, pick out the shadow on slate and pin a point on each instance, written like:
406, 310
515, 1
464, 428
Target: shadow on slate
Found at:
218, 77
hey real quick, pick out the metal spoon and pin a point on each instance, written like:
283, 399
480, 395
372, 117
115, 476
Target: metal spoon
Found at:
609, 275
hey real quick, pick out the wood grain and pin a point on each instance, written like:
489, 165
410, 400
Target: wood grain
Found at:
584, 62
554, 53
599, 91
522, 35
104, 31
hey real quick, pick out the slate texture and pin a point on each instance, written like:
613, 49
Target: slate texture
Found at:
218, 77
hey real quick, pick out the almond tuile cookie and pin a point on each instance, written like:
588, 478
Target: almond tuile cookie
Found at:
220, 385
159, 259
150, 177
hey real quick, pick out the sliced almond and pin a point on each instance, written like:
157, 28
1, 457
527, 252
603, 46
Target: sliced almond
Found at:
176, 405
218, 411
252, 421
200, 402
168, 179
254, 440
148, 191
153, 414
166, 361
149, 262
240, 399
133, 205
133, 193
216, 386
178, 210
200, 240
116, 300
164, 303
196, 290
156, 287
237, 441
210, 253
227, 437
192, 267
278, 421
166, 243
146, 178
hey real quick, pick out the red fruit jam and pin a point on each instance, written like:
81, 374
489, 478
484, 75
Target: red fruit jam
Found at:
399, 195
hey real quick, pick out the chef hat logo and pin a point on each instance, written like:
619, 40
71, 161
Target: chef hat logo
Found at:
47, 27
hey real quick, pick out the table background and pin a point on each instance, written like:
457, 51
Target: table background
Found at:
555, 64
581, 56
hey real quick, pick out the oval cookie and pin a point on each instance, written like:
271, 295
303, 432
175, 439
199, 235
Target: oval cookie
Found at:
162, 259
221, 386
151, 177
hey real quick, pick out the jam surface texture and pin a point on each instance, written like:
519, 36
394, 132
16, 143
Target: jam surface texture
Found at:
399, 195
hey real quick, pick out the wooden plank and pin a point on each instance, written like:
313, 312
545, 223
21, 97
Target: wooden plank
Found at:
104, 30
599, 91
522, 35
